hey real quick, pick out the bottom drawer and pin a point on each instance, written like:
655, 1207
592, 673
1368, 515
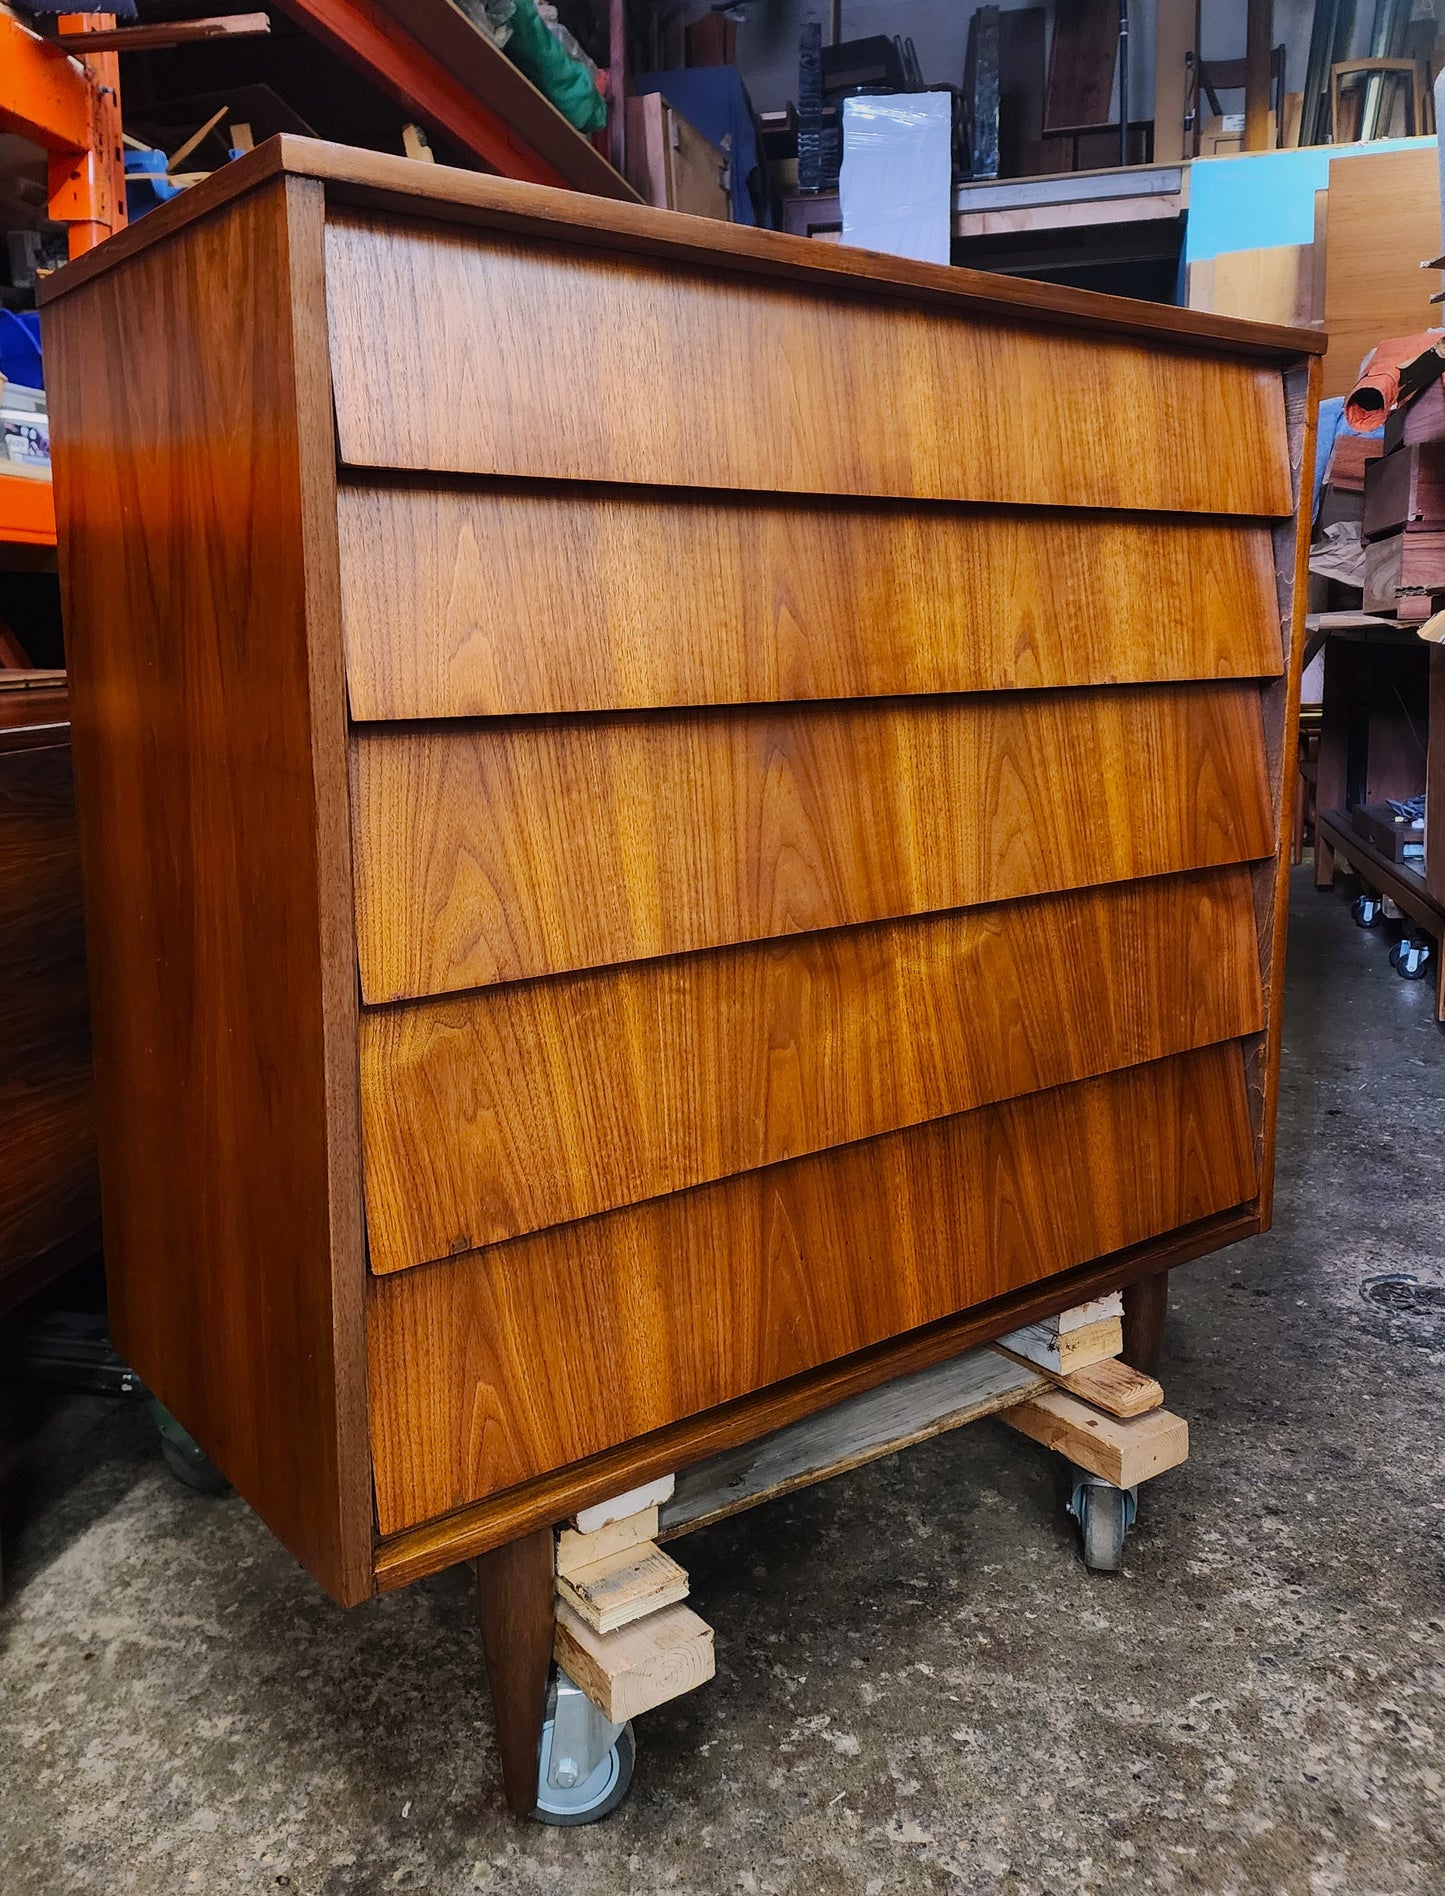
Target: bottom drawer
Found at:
488, 1369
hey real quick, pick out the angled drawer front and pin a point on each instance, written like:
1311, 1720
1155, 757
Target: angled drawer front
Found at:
659, 373
489, 1369
808, 777
499, 851
504, 600
490, 1115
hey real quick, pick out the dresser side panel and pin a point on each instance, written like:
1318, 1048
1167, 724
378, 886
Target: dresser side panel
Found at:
210, 757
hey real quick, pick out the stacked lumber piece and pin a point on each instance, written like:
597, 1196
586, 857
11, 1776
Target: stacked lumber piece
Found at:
1106, 1417
623, 1633
1404, 522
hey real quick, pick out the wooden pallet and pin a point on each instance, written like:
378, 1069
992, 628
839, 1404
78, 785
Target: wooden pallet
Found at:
623, 1633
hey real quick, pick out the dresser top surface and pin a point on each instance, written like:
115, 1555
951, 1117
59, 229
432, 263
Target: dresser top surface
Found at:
377, 181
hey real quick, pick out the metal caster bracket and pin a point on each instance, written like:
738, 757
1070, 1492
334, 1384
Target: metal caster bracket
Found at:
585, 1765
1105, 1514
1367, 910
1410, 957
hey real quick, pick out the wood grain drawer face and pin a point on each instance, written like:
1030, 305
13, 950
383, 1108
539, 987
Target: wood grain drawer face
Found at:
654, 372
501, 1112
508, 600
496, 852
490, 1369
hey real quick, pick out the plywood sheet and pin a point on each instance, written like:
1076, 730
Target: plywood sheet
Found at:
1276, 284
1384, 221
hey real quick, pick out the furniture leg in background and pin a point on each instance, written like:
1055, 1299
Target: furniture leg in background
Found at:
1145, 1307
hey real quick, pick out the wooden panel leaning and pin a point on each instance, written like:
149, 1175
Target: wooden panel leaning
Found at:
690, 877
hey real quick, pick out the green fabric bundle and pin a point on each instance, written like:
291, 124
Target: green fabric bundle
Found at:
565, 80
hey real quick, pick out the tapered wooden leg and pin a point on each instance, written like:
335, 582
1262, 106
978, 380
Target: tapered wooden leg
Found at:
515, 1586
1145, 1306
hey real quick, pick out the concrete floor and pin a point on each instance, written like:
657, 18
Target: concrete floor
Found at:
919, 1687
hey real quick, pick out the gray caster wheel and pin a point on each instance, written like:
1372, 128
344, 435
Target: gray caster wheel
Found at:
186, 1459
1366, 910
1410, 958
1105, 1514
585, 1767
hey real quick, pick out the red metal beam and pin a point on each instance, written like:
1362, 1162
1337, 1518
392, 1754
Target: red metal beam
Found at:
399, 65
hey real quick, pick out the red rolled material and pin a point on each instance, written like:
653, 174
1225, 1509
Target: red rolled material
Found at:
1378, 388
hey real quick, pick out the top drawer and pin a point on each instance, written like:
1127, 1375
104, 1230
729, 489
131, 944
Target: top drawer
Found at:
469, 352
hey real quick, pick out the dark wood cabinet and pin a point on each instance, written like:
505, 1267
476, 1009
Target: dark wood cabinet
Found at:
49, 1188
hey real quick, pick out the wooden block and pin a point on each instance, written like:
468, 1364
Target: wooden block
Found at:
1348, 459
623, 1587
1115, 1388
1097, 1310
1063, 1352
640, 1666
651, 1494
1124, 1452
1109, 1385
575, 1551
1405, 489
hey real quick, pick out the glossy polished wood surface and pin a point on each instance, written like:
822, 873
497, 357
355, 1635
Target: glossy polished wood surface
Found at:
794, 390
788, 747
495, 852
214, 856
502, 1112
506, 600
490, 1369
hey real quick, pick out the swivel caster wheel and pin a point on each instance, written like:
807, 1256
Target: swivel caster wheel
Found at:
1367, 910
1105, 1514
1409, 958
585, 1767
184, 1456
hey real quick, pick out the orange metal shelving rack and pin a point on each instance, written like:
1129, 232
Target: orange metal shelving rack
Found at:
70, 107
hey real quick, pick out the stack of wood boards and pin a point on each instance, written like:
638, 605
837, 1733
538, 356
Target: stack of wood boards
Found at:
1404, 529
623, 1633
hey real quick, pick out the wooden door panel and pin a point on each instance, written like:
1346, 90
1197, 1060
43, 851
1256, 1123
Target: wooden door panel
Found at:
503, 355
501, 851
493, 1368
504, 1111
508, 600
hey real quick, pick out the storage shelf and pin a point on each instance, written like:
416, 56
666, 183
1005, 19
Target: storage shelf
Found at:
1405, 886
27, 510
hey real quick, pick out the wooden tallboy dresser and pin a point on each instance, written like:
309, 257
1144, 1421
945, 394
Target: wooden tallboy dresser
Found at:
674, 821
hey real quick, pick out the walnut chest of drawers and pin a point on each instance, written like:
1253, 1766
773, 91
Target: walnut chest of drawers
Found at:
674, 822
